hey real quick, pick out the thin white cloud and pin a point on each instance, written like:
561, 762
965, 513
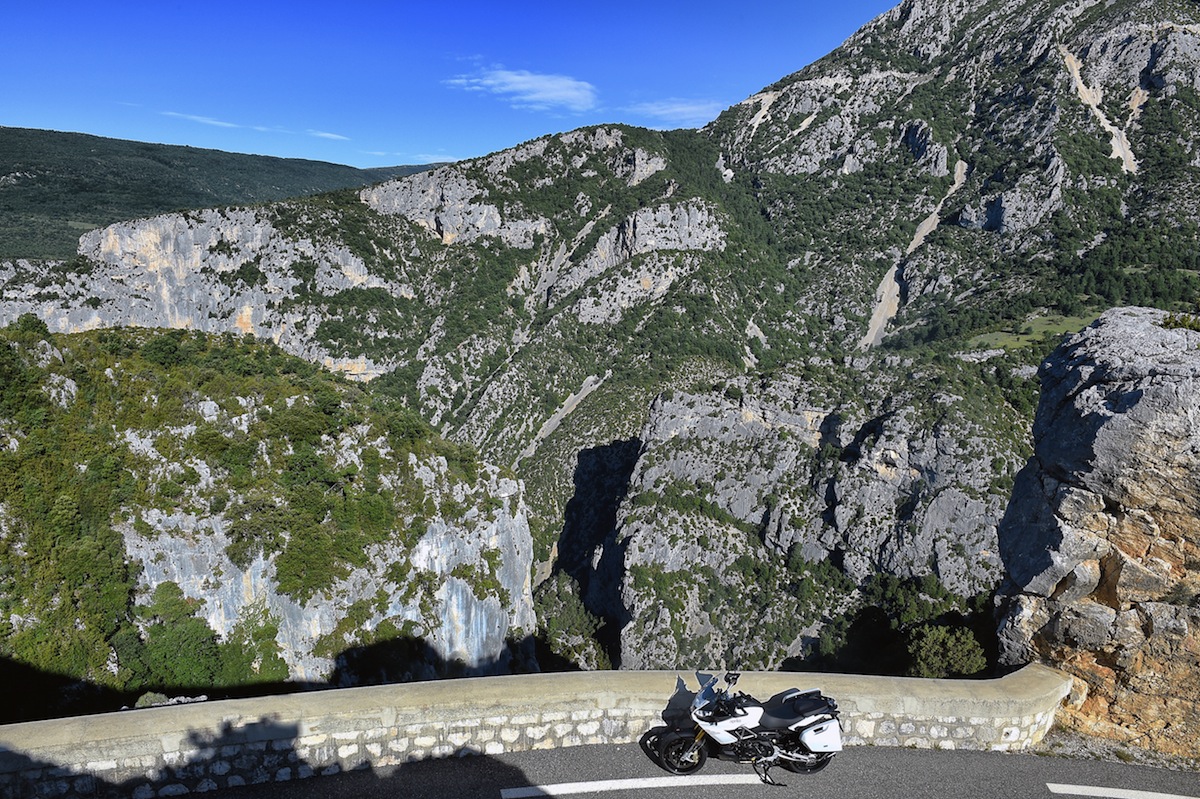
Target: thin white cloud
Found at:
414, 158
321, 134
202, 120
438, 158
677, 111
531, 90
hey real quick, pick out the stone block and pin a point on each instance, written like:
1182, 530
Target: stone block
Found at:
101, 765
525, 719
614, 728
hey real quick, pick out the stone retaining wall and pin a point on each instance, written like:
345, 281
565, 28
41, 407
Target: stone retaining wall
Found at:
171, 751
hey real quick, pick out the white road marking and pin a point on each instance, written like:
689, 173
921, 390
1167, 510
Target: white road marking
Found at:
569, 788
1111, 793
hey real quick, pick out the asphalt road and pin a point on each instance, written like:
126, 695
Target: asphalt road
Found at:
858, 773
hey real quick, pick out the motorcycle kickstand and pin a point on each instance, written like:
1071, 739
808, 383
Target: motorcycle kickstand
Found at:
764, 774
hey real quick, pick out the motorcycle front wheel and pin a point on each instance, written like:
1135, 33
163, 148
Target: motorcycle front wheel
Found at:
811, 767
678, 756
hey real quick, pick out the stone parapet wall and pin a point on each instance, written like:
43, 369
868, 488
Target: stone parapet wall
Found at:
180, 749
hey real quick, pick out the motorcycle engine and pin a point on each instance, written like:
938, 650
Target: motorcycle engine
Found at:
755, 750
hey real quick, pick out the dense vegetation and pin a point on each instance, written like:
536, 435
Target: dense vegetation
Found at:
104, 430
55, 186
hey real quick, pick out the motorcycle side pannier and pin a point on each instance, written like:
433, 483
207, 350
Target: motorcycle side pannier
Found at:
822, 736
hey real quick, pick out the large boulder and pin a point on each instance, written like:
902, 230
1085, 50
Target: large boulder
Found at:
1101, 542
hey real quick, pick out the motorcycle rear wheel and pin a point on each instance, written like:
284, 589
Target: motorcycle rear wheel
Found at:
811, 767
675, 754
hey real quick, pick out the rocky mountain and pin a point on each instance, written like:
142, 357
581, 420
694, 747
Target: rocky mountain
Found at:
756, 379
1102, 538
192, 513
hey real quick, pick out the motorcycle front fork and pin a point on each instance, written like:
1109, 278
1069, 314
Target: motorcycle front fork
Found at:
697, 744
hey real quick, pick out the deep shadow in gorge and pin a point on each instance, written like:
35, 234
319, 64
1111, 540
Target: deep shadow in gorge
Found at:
588, 549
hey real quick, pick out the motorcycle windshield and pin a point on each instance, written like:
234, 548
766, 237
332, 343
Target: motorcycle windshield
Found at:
706, 694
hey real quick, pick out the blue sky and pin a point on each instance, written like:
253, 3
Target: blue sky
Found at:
380, 83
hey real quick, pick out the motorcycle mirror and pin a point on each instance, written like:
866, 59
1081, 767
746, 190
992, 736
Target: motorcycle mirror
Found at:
732, 677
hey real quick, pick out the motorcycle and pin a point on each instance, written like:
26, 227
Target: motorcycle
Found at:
797, 730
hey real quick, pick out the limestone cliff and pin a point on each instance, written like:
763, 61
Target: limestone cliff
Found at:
319, 532
728, 479
1101, 542
802, 337
439, 595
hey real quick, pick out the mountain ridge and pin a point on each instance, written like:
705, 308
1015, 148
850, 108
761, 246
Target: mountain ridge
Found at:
56, 185
663, 330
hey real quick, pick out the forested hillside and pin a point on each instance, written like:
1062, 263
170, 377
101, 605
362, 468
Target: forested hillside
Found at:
55, 186
126, 456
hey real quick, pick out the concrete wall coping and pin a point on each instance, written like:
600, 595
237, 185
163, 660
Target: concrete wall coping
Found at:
1030, 690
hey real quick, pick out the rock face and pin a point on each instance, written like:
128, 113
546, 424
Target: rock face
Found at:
319, 537
772, 479
465, 632
1102, 539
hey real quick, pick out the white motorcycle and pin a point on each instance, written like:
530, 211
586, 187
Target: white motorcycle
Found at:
798, 730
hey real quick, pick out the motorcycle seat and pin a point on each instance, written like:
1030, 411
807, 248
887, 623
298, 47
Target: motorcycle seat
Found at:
785, 709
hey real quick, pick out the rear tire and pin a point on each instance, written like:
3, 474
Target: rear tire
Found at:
677, 755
